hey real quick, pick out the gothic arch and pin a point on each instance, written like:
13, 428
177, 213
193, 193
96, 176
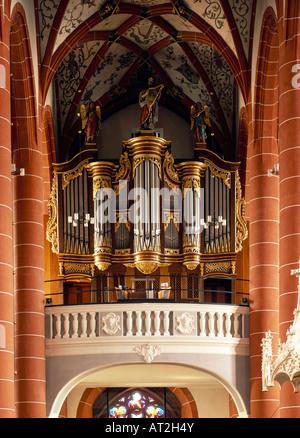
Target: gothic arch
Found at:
56, 405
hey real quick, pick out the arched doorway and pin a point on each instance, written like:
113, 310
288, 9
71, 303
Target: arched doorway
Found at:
204, 393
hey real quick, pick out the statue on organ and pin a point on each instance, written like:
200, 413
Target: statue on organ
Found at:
148, 100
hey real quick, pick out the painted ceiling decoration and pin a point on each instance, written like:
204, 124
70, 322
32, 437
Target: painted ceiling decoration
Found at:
103, 51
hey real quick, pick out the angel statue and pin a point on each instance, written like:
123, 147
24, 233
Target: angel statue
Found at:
199, 120
148, 100
91, 122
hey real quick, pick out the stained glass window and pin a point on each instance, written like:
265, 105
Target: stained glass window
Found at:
136, 404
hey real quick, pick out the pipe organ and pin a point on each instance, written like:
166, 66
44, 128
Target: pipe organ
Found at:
146, 212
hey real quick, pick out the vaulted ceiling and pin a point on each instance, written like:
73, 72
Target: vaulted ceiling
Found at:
105, 52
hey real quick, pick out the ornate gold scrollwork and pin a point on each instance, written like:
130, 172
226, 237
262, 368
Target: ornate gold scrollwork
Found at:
122, 218
136, 162
189, 183
141, 158
219, 173
171, 252
51, 232
191, 265
171, 216
124, 167
241, 224
102, 266
218, 267
101, 182
157, 162
74, 173
172, 177
146, 267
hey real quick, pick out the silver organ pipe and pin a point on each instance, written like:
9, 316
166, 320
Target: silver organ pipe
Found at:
216, 214
192, 216
106, 208
146, 207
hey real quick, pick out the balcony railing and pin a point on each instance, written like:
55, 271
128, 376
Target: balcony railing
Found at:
147, 320
173, 288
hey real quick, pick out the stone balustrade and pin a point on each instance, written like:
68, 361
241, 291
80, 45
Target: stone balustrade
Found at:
147, 320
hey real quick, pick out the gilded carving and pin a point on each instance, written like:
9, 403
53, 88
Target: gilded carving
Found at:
191, 265
121, 218
219, 173
76, 267
140, 159
144, 267
101, 182
241, 224
157, 162
218, 267
124, 167
171, 216
68, 268
122, 251
172, 251
51, 232
191, 182
74, 173
102, 266
172, 175
136, 162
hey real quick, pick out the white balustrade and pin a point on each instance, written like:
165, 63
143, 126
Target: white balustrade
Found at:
149, 321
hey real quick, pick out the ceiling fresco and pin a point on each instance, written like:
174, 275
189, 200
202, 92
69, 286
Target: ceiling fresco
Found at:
103, 51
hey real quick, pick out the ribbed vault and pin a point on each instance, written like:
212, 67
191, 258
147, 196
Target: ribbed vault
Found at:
105, 51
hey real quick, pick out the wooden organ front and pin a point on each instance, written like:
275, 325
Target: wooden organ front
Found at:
146, 216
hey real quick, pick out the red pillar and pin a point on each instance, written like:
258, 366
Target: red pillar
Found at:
29, 286
289, 144
264, 219
28, 230
7, 408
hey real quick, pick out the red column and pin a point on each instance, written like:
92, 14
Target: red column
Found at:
289, 144
28, 229
7, 408
264, 263
264, 219
29, 286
